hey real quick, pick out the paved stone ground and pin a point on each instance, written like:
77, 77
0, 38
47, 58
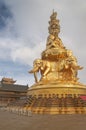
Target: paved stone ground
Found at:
11, 121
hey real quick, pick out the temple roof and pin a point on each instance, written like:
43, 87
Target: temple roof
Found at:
13, 87
8, 80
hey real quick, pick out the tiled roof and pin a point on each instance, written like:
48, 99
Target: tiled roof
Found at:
13, 87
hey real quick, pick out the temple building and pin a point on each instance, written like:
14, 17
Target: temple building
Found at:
10, 92
58, 91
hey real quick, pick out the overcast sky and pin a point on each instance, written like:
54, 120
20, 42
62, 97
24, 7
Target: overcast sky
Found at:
24, 30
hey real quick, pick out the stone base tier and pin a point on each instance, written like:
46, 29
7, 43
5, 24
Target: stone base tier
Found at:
54, 88
57, 99
59, 110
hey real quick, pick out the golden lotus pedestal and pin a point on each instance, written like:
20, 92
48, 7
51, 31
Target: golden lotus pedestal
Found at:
56, 98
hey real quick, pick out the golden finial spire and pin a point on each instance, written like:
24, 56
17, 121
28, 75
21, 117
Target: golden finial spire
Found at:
54, 27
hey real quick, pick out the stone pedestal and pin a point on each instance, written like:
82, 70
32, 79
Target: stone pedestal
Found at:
57, 98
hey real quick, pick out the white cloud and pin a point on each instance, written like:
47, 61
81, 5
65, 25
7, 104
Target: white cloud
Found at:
26, 54
16, 50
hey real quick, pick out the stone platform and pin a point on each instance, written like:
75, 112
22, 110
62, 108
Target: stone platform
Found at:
57, 98
57, 88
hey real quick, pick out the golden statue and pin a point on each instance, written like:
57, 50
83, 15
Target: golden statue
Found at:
57, 62
58, 90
